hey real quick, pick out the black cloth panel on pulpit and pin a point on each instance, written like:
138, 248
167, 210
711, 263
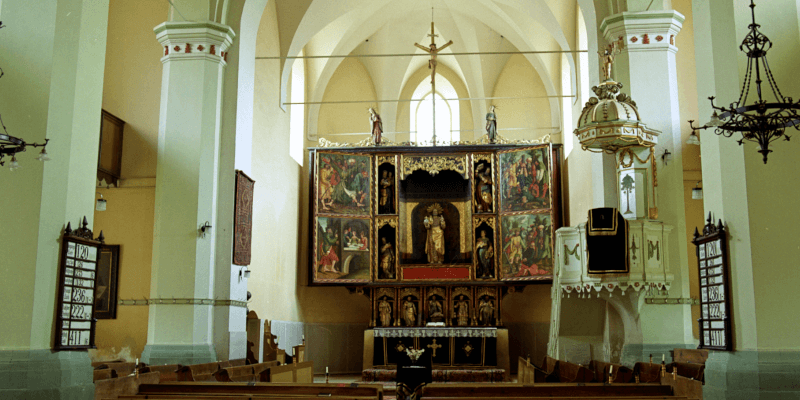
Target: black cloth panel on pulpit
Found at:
607, 241
468, 351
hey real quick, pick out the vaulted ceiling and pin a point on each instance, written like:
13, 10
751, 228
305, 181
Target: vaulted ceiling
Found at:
324, 27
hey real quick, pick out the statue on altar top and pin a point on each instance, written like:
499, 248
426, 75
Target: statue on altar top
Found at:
376, 125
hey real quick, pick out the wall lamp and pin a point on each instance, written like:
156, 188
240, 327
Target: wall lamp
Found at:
666, 157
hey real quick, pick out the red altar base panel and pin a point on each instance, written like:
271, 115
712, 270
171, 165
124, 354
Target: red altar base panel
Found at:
425, 273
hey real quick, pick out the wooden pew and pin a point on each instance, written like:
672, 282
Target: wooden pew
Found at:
647, 372
243, 373
198, 372
681, 386
299, 353
694, 356
548, 372
619, 374
113, 388
574, 373
688, 370
104, 373
525, 371
169, 372
266, 390
547, 390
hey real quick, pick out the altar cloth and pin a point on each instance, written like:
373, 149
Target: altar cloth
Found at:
435, 332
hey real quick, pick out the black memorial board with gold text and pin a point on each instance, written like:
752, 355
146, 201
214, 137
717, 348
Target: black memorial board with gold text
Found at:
425, 215
715, 307
75, 323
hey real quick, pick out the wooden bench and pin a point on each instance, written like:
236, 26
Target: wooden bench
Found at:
525, 371
548, 372
260, 390
119, 368
574, 373
101, 374
646, 372
289, 373
688, 370
169, 372
547, 390
681, 386
113, 388
619, 373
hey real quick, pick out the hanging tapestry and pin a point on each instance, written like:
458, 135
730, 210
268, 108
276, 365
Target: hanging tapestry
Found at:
243, 219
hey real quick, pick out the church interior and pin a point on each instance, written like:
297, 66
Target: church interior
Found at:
405, 196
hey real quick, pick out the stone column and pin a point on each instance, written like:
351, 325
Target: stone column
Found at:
53, 59
182, 292
647, 68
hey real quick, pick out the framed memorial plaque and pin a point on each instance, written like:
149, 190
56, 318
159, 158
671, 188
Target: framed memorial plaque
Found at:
77, 285
715, 307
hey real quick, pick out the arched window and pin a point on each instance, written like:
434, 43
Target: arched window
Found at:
448, 117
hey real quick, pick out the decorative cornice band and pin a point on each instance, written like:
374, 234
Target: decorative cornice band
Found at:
194, 41
644, 31
174, 301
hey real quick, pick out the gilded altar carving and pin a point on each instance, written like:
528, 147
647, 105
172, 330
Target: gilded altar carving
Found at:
386, 160
381, 221
435, 164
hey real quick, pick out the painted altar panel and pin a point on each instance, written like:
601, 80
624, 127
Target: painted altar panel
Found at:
343, 250
525, 179
343, 184
527, 247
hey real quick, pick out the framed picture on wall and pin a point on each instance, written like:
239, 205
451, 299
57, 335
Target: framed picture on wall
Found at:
105, 300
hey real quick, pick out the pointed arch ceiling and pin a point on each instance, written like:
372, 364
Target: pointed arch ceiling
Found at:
325, 27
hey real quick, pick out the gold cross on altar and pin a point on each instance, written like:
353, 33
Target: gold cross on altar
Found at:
434, 346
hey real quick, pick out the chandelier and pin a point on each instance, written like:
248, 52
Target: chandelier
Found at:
10, 145
761, 122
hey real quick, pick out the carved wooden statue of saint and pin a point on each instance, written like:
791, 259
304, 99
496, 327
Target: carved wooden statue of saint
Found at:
434, 245
387, 260
409, 312
486, 311
385, 311
461, 311
386, 201
485, 252
436, 314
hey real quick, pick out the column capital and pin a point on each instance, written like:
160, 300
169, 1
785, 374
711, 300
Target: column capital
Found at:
194, 40
644, 31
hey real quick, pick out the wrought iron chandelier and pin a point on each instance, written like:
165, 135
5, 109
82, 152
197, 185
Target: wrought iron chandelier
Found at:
10, 145
761, 122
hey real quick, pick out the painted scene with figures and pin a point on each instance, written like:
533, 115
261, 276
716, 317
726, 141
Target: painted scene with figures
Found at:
343, 185
525, 180
527, 247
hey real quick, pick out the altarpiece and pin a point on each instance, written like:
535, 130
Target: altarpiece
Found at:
434, 235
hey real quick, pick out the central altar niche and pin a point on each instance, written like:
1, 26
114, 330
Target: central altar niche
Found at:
435, 220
